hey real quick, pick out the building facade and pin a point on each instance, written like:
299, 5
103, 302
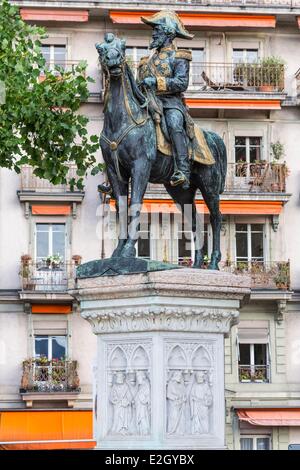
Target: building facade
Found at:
244, 85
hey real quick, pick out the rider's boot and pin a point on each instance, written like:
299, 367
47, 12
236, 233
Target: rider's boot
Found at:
102, 188
181, 175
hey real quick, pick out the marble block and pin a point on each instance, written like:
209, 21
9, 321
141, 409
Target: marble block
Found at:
160, 360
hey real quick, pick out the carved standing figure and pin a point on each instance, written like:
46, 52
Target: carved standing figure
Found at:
121, 400
148, 136
176, 398
200, 401
142, 404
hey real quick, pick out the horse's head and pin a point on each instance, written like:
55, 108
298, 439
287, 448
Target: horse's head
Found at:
112, 55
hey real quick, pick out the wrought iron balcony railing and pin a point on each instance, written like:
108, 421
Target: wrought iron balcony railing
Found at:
273, 275
43, 375
260, 177
254, 373
232, 3
66, 65
39, 276
241, 77
30, 182
248, 178
264, 275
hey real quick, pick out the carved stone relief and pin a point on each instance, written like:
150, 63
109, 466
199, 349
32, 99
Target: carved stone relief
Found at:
189, 395
129, 383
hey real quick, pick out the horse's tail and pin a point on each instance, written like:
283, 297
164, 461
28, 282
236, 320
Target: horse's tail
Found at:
223, 164
216, 144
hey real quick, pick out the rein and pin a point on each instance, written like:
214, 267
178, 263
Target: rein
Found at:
114, 144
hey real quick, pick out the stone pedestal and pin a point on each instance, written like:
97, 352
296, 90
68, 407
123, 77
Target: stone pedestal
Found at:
160, 363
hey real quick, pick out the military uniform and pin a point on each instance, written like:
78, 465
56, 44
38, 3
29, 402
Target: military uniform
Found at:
171, 68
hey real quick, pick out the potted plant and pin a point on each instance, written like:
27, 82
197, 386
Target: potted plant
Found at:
282, 279
26, 273
277, 151
245, 375
25, 259
260, 375
245, 74
270, 74
54, 261
77, 259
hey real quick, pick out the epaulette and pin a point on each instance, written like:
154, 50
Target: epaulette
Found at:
143, 60
183, 54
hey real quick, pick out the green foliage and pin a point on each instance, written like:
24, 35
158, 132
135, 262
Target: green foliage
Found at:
39, 122
277, 150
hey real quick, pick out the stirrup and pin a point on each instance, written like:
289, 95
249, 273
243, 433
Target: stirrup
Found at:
178, 178
102, 188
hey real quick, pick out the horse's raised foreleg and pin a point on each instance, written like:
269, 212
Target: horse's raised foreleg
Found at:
213, 203
120, 192
140, 175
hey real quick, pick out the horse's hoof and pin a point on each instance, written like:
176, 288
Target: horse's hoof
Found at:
197, 265
213, 266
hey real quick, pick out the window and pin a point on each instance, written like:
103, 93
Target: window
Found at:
253, 363
50, 240
143, 244
249, 243
242, 55
255, 442
51, 347
54, 55
248, 149
134, 55
197, 67
185, 247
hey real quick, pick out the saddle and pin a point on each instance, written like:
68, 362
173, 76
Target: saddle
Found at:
197, 146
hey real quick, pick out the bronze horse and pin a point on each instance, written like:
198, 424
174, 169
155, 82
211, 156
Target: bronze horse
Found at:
128, 143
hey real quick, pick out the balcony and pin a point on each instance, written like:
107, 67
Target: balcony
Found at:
231, 78
43, 277
244, 181
254, 373
38, 190
228, 3
237, 77
30, 182
66, 66
260, 177
48, 380
264, 275
273, 275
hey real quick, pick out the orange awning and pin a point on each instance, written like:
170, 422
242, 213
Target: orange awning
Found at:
51, 308
210, 103
227, 207
212, 20
47, 429
48, 14
271, 417
47, 209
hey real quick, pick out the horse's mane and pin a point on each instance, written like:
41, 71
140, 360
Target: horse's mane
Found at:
141, 99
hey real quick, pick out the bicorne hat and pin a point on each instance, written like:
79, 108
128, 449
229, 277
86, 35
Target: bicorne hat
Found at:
170, 19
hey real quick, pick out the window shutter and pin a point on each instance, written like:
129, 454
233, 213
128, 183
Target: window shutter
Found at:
253, 332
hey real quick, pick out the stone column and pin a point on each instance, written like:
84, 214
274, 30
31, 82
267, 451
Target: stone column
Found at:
160, 362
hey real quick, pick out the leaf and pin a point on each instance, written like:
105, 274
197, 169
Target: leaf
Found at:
94, 138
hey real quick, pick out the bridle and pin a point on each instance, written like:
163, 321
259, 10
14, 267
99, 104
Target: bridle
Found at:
114, 144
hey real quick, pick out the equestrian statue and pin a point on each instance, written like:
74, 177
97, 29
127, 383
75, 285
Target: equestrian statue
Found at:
149, 136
